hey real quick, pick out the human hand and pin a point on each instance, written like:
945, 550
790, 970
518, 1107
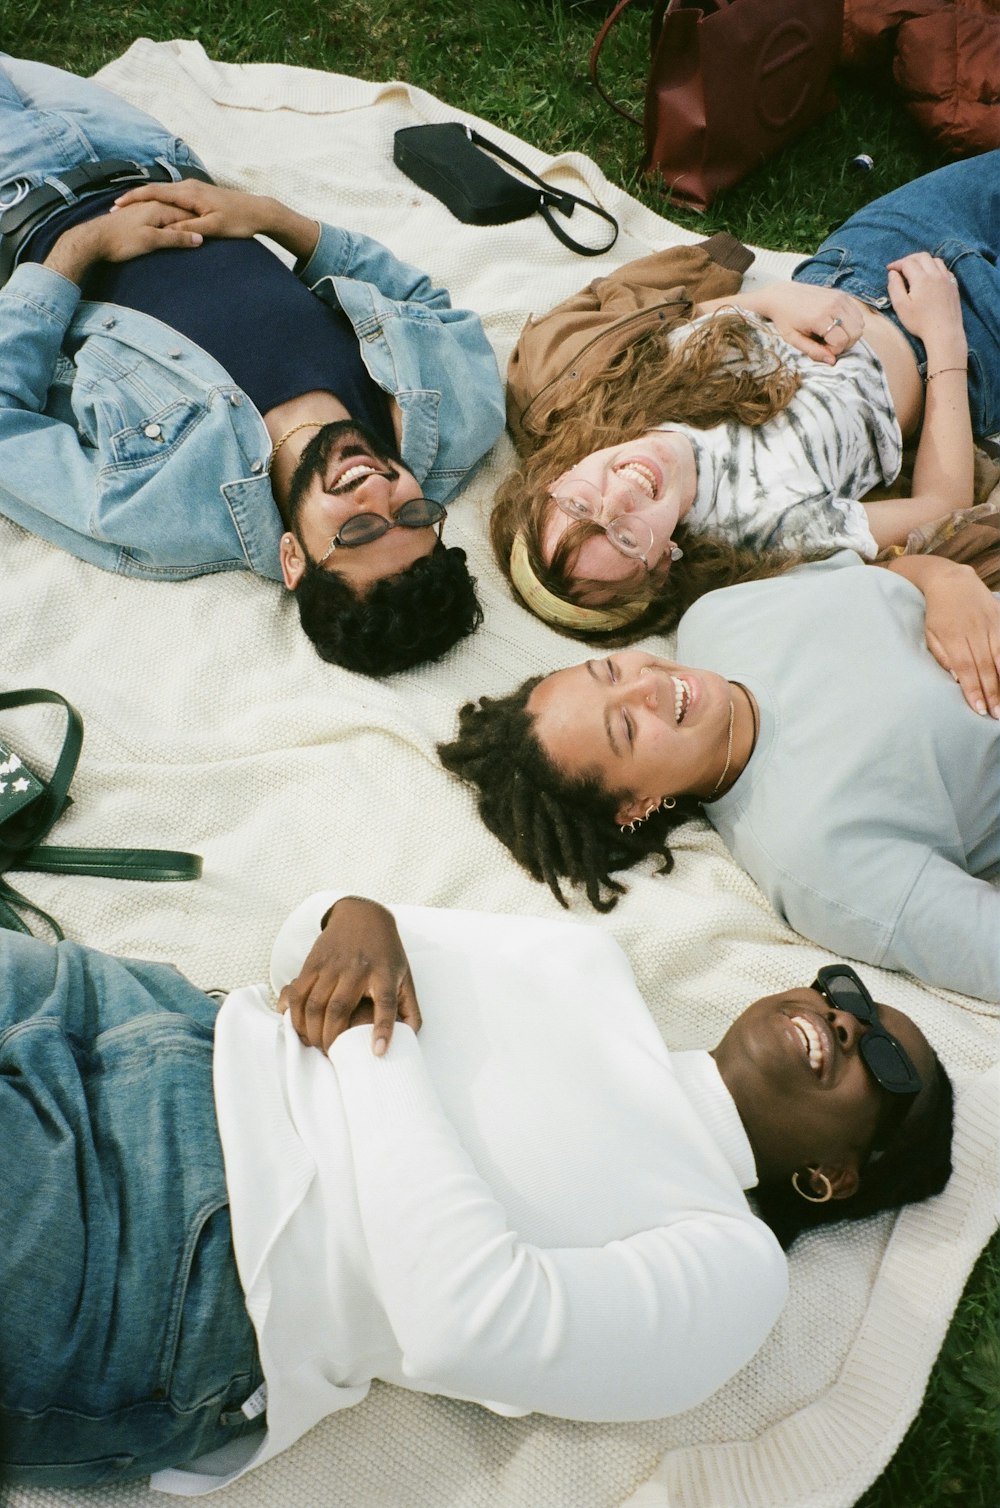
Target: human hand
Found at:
228, 214
121, 238
925, 296
205, 208
820, 322
356, 964
961, 626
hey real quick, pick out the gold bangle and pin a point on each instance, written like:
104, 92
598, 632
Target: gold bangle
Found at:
931, 375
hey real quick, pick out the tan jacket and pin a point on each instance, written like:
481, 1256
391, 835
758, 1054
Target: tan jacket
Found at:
576, 340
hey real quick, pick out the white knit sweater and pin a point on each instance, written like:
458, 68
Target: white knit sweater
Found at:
534, 1205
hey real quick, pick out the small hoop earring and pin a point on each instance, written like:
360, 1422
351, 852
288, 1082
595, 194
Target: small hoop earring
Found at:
823, 1198
667, 804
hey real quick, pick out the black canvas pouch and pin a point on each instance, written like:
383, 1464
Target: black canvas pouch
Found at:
451, 161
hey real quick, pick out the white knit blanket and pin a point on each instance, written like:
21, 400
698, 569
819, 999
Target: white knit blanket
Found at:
212, 725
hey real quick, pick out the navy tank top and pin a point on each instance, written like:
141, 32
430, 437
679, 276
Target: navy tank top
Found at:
246, 308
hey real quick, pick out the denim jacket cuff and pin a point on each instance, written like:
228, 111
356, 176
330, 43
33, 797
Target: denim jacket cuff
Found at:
48, 291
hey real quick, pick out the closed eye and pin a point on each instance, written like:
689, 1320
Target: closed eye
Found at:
629, 728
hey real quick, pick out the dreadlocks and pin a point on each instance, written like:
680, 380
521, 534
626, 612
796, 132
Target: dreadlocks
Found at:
555, 827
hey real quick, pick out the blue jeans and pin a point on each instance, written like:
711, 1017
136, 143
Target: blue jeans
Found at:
125, 1345
954, 214
52, 121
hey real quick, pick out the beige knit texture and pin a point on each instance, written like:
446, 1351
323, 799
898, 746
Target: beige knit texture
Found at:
211, 725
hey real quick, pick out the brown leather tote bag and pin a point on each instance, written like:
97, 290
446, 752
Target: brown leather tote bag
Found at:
730, 82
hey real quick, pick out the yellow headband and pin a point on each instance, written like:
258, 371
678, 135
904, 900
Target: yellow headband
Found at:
552, 609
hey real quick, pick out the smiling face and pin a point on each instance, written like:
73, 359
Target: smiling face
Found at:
344, 471
804, 1093
645, 727
652, 479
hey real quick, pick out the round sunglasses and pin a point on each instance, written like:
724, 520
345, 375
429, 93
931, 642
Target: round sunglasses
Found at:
365, 528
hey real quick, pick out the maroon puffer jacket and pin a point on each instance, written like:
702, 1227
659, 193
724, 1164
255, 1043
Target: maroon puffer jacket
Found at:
945, 57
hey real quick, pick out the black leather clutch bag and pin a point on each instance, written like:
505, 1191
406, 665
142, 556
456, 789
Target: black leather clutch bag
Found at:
457, 166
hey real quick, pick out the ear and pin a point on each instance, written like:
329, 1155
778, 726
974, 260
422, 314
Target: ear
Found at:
844, 1179
634, 807
293, 561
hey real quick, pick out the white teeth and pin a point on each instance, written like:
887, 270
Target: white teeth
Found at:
354, 472
811, 1041
682, 695
640, 475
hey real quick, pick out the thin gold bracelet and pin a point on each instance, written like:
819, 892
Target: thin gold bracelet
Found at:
931, 375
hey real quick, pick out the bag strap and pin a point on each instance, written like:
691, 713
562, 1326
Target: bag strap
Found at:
595, 53
10, 921
560, 199
106, 863
655, 26
115, 863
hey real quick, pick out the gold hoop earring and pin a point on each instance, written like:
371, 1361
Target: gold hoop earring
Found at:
666, 804
823, 1198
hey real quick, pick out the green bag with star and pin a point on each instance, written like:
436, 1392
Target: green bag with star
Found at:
30, 808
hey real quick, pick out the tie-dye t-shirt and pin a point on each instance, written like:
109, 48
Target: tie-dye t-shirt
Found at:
794, 482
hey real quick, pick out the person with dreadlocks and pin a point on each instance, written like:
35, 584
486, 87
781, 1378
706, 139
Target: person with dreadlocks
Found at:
841, 767
215, 1235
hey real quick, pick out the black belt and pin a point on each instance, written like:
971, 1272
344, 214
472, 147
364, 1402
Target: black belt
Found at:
21, 220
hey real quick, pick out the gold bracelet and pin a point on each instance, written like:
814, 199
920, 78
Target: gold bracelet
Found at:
931, 375
306, 424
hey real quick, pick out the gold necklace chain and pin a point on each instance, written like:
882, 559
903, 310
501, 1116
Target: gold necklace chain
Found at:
306, 424
729, 748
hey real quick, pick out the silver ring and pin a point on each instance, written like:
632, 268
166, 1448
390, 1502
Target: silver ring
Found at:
832, 326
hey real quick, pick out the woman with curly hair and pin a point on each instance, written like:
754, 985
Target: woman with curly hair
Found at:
841, 767
732, 445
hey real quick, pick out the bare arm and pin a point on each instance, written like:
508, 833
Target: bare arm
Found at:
821, 322
925, 297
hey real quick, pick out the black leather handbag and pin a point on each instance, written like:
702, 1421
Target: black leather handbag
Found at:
450, 161
30, 808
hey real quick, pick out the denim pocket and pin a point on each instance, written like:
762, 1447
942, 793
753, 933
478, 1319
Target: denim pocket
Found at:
834, 267
157, 433
209, 1345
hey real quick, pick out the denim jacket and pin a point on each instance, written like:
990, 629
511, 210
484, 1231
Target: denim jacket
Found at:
128, 445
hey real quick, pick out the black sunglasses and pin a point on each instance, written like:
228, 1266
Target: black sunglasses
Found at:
884, 1056
365, 528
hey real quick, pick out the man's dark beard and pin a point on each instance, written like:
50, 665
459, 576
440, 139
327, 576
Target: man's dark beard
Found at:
313, 461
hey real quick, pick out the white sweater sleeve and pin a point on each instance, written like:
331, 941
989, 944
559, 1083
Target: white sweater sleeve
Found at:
640, 1328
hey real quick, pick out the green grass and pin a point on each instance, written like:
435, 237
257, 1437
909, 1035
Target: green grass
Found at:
522, 64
